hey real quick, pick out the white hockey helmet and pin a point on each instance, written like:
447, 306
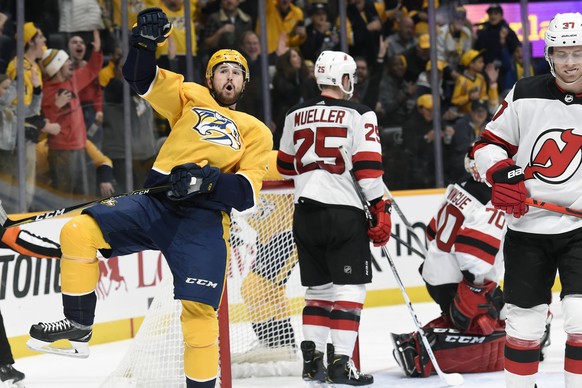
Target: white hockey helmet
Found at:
330, 68
565, 29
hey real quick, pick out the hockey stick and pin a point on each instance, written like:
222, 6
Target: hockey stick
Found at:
407, 245
450, 379
553, 207
405, 221
8, 222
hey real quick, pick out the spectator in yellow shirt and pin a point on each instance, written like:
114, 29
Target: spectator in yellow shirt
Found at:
284, 18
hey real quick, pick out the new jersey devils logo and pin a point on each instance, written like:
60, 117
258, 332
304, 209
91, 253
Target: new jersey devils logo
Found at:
555, 157
217, 128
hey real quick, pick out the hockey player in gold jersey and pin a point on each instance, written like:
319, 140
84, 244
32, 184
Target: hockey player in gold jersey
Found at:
214, 160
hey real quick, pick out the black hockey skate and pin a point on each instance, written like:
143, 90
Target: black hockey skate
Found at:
10, 376
343, 371
44, 334
313, 369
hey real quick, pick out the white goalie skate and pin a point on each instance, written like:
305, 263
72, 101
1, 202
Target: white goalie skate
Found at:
43, 336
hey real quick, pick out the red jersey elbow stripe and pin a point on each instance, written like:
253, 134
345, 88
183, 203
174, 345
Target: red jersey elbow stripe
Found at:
475, 251
480, 239
487, 137
367, 165
368, 174
285, 164
366, 157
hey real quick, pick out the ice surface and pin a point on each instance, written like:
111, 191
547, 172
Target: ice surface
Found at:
49, 371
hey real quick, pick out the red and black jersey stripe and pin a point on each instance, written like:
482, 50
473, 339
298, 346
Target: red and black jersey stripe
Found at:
367, 165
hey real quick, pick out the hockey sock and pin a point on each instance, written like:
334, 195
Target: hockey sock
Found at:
522, 359
316, 322
573, 361
200, 384
344, 324
80, 308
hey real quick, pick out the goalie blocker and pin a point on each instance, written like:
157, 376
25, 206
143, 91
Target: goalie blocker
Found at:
454, 352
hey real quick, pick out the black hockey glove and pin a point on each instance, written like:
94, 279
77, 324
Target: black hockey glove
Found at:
152, 29
31, 133
190, 179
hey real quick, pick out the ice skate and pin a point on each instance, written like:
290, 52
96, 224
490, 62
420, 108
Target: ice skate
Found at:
313, 369
342, 371
43, 335
11, 377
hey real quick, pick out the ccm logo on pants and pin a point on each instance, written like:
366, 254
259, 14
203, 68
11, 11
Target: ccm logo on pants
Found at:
201, 282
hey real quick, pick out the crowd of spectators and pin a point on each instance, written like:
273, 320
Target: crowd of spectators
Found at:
74, 110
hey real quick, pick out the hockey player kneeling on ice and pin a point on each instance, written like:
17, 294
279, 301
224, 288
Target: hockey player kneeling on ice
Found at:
461, 271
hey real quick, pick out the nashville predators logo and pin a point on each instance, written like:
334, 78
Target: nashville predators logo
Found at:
109, 202
216, 128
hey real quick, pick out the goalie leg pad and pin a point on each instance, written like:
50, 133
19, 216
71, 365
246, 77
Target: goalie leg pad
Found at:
455, 352
200, 328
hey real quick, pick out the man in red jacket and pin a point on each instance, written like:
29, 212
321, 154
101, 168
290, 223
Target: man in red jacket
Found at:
61, 103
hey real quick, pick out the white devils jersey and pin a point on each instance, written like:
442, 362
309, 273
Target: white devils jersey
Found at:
540, 127
465, 235
309, 151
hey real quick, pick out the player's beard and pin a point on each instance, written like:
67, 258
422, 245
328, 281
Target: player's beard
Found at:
228, 95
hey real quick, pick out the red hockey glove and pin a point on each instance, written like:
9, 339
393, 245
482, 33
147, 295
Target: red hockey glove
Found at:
508, 191
475, 308
380, 232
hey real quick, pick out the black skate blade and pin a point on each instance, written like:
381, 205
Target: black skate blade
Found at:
76, 350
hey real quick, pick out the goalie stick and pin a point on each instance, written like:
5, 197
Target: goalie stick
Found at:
450, 379
7, 222
553, 207
405, 221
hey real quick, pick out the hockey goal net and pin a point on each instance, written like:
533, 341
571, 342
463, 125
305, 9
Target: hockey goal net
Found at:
260, 317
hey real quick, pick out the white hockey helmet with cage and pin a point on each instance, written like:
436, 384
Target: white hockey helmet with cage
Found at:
330, 68
564, 30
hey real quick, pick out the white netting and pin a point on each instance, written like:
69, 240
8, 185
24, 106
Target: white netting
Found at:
265, 299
